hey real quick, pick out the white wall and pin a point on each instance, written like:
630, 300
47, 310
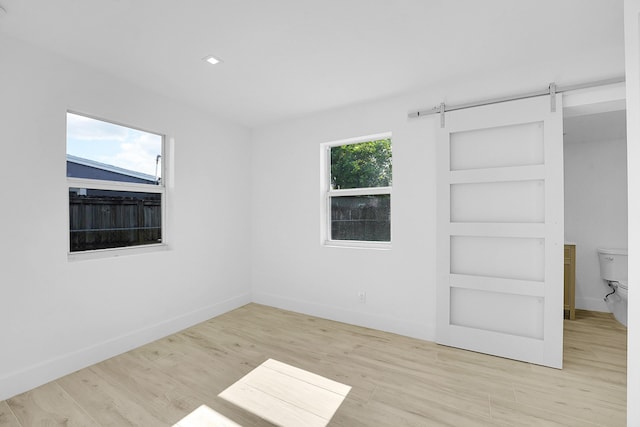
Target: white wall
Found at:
57, 315
595, 214
290, 267
632, 71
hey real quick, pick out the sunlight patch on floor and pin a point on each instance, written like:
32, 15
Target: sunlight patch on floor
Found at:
203, 416
287, 396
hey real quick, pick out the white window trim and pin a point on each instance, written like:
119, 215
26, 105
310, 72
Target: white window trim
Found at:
117, 252
326, 193
99, 184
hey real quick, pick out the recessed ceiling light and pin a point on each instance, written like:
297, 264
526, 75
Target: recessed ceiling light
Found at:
212, 59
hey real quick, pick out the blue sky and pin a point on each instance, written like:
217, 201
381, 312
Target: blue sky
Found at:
113, 144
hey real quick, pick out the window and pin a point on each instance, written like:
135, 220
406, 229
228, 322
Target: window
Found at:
357, 195
114, 177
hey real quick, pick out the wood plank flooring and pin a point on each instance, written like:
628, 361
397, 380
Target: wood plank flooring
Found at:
395, 380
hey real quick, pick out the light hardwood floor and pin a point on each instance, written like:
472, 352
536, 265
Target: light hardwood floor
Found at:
395, 380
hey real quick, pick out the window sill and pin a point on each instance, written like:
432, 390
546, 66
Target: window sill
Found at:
356, 244
116, 252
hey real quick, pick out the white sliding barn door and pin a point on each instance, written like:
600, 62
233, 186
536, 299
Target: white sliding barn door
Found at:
501, 230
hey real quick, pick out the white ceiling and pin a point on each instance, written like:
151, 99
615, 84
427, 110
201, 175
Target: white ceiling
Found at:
287, 58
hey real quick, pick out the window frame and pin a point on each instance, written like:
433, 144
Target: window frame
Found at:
100, 184
327, 193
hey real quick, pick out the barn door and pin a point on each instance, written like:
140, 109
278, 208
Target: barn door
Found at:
501, 230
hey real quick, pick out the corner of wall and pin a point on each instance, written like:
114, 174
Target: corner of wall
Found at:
49, 370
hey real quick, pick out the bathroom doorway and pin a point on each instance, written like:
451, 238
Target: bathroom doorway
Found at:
595, 184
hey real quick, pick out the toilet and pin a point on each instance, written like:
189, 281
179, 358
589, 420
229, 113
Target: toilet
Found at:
613, 269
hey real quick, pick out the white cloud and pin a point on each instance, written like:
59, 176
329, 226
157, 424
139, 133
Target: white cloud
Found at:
88, 129
140, 154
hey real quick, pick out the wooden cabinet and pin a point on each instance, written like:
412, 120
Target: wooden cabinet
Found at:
570, 281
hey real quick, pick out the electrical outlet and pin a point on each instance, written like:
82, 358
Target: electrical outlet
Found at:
362, 297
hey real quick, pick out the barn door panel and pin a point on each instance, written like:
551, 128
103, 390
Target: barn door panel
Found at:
500, 230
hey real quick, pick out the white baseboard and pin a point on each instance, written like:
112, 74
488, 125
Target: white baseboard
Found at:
592, 304
383, 323
49, 370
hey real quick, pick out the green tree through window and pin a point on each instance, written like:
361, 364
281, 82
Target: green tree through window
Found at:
362, 165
